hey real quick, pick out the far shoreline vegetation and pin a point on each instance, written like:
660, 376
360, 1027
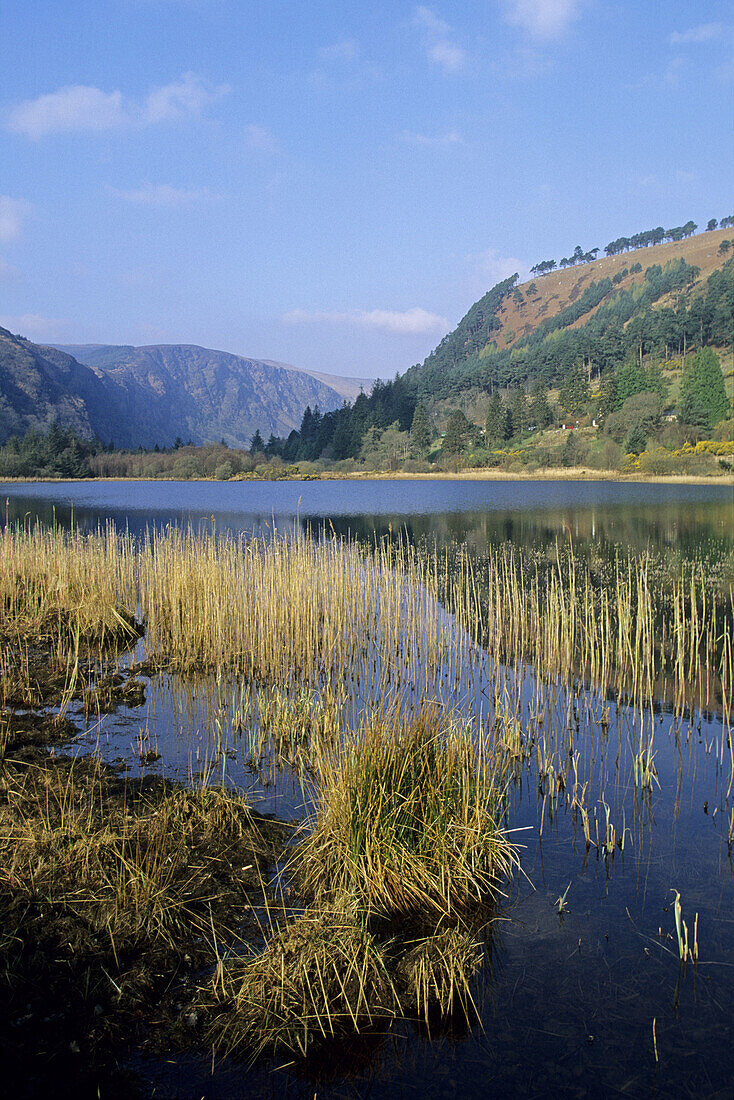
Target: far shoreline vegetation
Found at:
624, 427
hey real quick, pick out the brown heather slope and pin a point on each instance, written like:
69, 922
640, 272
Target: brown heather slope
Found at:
561, 288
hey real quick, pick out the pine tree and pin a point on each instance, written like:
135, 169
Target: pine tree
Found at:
703, 400
541, 414
575, 391
519, 413
420, 431
458, 434
497, 426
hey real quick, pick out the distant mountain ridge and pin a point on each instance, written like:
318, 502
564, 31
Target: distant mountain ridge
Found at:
108, 356
140, 396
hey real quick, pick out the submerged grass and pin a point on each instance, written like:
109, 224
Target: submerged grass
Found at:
332, 613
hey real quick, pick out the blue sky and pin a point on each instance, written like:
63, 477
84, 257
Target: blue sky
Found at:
332, 184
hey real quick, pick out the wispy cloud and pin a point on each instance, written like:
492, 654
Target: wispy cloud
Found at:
409, 322
344, 50
13, 214
543, 18
490, 267
436, 36
79, 108
164, 195
704, 32
261, 139
432, 141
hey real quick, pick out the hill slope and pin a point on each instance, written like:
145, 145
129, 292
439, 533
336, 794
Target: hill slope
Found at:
170, 390
658, 299
109, 356
39, 385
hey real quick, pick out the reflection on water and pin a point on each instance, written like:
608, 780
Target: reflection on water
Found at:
587, 1001
682, 518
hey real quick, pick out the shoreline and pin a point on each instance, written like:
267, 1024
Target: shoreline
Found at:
577, 473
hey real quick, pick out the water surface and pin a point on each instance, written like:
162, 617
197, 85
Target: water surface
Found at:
588, 1002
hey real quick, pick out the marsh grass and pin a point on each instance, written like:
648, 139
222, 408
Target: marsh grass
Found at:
109, 891
293, 612
407, 822
332, 647
319, 977
405, 839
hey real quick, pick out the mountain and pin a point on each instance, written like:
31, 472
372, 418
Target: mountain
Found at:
147, 395
110, 356
657, 300
41, 384
650, 304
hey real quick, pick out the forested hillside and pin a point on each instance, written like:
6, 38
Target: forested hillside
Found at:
659, 300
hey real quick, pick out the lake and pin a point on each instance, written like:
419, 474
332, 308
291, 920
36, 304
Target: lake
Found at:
581, 997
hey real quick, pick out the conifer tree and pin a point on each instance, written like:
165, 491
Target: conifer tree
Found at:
575, 391
703, 400
496, 426
458, 434
420, 430
541, 414
519, 413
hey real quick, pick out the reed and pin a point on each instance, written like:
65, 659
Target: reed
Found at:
121, 873
318, 978
295, 611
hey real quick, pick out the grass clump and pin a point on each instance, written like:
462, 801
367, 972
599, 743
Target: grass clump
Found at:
407, 823
320, 977
406, 844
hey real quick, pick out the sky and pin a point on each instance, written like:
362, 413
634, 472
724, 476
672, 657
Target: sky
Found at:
333, 184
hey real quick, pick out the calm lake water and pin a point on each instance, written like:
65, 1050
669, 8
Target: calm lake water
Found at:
585, 1003
672, 516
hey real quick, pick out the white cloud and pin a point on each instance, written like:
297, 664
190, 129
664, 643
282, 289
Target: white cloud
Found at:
35, 327
185, 98
543, 18
260, 139
345, 50
489, 268
448, 55
434, 141
437, 43
79, 107
163, 194
409, 322
430, 22
13, 213
704, 32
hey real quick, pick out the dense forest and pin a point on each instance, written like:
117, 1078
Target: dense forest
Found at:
624, 327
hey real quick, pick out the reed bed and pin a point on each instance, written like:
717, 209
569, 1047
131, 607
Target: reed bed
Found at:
329, 613
631, 630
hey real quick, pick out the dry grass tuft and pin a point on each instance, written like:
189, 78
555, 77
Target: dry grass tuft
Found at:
322, 976
407, 823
